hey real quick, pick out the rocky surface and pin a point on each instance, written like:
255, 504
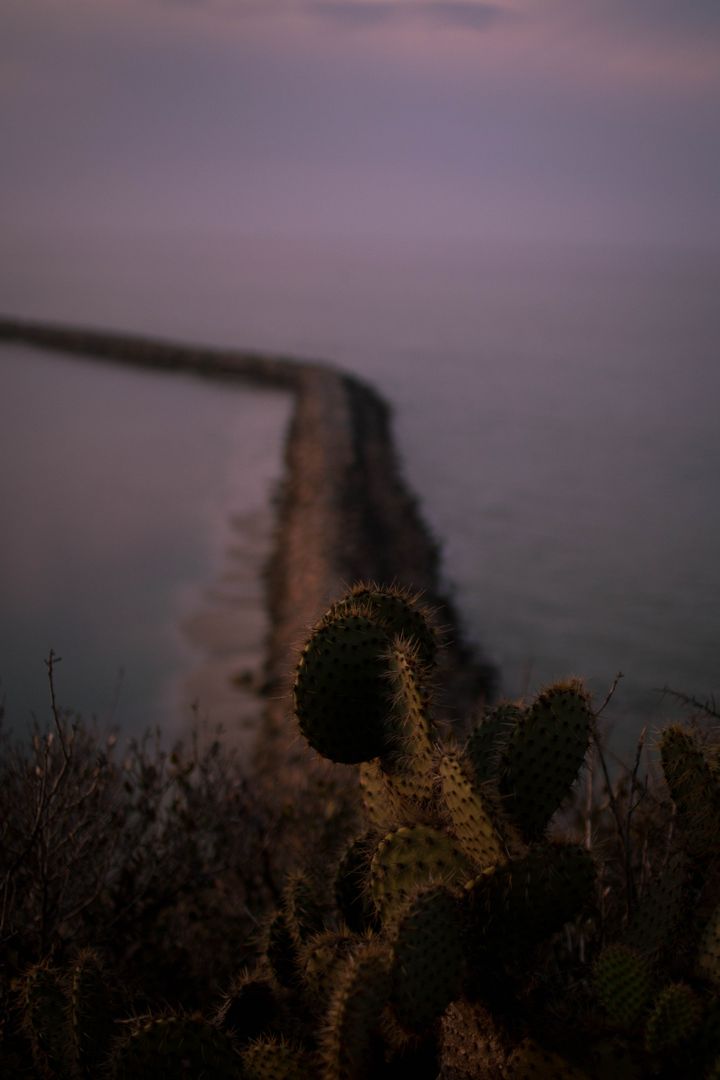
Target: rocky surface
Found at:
345, 514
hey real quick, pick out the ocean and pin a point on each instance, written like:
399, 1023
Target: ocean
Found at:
555, 412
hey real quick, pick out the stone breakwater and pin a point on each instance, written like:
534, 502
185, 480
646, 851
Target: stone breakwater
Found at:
344, 512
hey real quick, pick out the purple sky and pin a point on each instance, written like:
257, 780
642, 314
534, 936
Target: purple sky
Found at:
522, 120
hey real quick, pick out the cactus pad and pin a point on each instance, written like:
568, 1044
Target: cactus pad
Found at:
398, 611
276, 1059
303, 912
410, 857
184, 1047
352, 884
544, 753
44, 1007
428, 957
350, 1045
529, 1061
322, 956
524, 901
694, 787
471, 1042
473, 825
409, 764
383, 805
343, 699
661, 909
675, 1017
488, 739
623, 984
90, 1012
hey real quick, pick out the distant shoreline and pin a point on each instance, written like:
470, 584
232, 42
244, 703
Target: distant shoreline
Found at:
345, 512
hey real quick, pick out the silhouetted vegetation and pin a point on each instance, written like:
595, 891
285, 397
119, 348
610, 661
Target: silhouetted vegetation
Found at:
469, 910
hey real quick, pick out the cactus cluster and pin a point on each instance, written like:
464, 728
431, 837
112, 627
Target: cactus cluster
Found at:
455, 884
434, 947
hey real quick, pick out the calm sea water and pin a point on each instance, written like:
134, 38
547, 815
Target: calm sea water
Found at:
136, 512
556, 411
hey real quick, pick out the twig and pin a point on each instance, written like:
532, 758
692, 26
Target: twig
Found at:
709, 707
50, 664
610, 693
632, 806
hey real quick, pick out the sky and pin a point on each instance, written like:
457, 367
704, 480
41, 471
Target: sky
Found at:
518, 120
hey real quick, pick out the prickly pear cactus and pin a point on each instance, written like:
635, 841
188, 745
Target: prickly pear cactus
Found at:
43, 1005
675, 1017
323, 955
623, 984
471, 816
384, 807
488, 740
408, 764
529, 1061
410, 857
90, 1012
276, 1059
343, 700
399, 611
695, 789
518, 904
352, 884
303, 912
544, 752
661, 910
182, 1046
350, 1046
472, 1044
428, 957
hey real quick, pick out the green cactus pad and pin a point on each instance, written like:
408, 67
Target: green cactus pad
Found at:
623, 984
473, 825
303, 911
275, 1059
544, 753
661, 909
488, 740
321, 957
522, 902
709, 954
428, 957
343, 699
383, 805
90, 1014
409, 764
352, 884
184, 1047
350, 1047
43, 1005
410, 857
397, 610
675, 1017
471, 1042
529, 1061
694, 788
